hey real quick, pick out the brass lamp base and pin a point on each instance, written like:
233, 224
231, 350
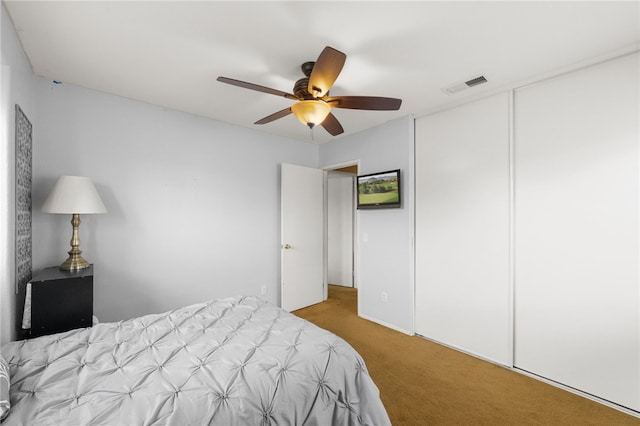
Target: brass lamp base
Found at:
74, 262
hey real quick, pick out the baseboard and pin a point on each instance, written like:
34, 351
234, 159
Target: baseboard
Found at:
464, 351
575, 391
578, 392
385, 324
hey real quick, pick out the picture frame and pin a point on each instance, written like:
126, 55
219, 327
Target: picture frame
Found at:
23, 176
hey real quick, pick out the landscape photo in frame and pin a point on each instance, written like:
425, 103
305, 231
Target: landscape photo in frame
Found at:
380, 190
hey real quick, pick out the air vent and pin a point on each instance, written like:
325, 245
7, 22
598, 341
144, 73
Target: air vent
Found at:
458, 87
476, 81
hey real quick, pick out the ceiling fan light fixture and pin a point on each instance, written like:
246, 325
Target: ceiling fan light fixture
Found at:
311, 112
313, 104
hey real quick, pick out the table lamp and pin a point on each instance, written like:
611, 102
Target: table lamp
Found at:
74, 195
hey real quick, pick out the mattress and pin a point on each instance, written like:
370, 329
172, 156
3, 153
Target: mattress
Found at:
235, 361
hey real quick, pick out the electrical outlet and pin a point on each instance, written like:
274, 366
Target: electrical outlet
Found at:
263, 290
383, 296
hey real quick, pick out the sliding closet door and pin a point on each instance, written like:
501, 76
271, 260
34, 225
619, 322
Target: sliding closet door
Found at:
462, 228
576, 230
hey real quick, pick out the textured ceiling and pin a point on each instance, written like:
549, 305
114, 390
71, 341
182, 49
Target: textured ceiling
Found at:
170, 53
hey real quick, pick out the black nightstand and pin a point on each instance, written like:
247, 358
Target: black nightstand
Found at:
60, 301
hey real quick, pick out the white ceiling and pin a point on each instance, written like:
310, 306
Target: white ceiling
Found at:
170, 53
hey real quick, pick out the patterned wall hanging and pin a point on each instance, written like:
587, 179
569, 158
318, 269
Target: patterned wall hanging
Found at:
23, 199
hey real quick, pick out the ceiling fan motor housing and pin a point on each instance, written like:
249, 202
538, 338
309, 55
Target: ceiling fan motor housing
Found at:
300, 89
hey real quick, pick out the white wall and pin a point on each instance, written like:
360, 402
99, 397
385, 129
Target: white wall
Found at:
385, 260
17, 88
193, 204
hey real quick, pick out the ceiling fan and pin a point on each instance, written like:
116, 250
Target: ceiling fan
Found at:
311, 93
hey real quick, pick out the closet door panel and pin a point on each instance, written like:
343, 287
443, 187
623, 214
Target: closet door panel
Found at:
576, 230
462, 228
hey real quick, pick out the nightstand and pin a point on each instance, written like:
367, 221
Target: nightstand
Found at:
60, 301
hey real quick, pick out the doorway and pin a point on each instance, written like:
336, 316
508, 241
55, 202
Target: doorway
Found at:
341, 226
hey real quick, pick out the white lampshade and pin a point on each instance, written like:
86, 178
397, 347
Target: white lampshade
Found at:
73, 194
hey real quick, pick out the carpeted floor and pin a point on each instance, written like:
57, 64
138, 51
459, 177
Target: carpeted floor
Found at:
423, 383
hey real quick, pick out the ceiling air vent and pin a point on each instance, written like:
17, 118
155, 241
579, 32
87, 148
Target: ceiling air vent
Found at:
458, 87
476, 81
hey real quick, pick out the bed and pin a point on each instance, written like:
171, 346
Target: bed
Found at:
234, 361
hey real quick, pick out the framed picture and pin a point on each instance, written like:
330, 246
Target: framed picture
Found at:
23, 199
379, 190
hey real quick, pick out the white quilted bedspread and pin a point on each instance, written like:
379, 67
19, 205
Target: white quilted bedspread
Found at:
236, 361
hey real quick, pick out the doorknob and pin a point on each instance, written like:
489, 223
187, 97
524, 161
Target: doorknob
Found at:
286, 246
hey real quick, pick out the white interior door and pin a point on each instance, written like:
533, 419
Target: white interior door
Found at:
302, 236
340, 229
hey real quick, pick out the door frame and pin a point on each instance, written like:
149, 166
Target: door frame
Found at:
355, 231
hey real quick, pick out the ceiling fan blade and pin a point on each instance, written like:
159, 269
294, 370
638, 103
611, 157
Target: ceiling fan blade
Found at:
274, 116
332, 125
375, 103
325, 71
257, 87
